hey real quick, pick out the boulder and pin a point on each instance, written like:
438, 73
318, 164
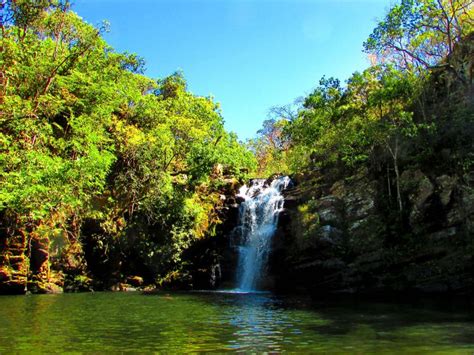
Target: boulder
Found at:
462, 209
419, 189
446, 185
329, 209
422, 192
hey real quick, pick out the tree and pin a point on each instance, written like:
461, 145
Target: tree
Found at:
270, 147
422, 33
389, 102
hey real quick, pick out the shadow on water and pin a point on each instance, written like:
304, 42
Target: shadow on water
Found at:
423, 324
218, 321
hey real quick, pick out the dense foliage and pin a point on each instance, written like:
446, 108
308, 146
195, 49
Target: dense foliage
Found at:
85, 136
383, 202
415, 101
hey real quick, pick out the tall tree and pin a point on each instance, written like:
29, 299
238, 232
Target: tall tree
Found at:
422, 33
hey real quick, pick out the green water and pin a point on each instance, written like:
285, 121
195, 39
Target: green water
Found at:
185, 322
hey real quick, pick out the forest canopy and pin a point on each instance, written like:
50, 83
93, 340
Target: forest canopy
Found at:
390, 111
85, 135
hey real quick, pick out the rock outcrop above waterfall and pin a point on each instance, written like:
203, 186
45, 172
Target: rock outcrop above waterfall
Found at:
340, 236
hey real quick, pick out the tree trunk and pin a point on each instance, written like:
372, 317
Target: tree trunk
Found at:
389, 187
394, 153
397, 177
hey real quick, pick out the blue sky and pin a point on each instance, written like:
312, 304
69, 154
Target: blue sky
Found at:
249, 54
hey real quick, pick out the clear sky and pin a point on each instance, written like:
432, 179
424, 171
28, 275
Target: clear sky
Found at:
249, 54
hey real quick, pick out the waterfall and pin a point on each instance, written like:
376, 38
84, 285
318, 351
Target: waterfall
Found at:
258, 219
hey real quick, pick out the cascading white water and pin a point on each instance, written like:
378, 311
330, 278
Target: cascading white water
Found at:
258, 219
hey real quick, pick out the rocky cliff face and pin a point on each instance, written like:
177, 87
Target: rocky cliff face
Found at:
31, 261
13, 264
211, 262
345, 236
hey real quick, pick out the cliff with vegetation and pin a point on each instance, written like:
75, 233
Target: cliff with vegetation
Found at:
107, 176
383, 166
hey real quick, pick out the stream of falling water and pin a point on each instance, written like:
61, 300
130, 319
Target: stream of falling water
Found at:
258, 219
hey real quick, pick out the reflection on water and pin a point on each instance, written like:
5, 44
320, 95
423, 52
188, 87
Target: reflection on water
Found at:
259, 324
187, 322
